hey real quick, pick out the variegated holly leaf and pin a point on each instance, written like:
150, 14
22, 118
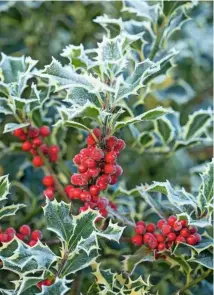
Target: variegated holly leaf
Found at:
204, 258
9, 127
78, 234
164, 129
64, 77
25, 258
151, 115
114, 283
58, 287
197, 124
205, 195
142, 255
77, 56
8, 210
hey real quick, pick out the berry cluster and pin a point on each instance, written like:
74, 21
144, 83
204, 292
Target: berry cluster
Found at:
165, 234
97, 168
33, 142
25, 234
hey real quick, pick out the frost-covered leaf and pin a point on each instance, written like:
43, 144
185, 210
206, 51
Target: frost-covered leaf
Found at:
151, 115
58, 287
77, 56
78, 234
9, 127
66, 78
10, 210
4, 187
165, 129
11, 67
197, 124
206, 189
204, 258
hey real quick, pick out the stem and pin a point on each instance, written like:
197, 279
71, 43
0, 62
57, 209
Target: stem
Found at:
121, 217
193, 282
76, 286
58, 184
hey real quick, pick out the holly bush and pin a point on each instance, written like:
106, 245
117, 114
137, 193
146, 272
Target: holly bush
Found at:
106, 182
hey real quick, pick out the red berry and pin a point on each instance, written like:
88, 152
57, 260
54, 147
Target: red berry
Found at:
109, 169
90, 163
84, 208
177, 226
150, 227
44, 131
18, 132
166, 229
20, 236
160, 223
185, 233
75, 193
97, 154
120, 145
23, 137
192, 229
171, 237
44, 148
110, 157
82, 168
103, 212
3, 238
26, 146
97, 132
37, 142
137, 240
119, 170
79, 179
85, 196
184, 222
48, 180
10, 231
140, 229
49, 193
111, 142
53, 149
141, 223
33, 152
32, 243
33, 132
77, 159
37, 161
160, 238
25, 230
102, 203
36, 235
93, 172
198, 237
53, 158
180, 239
113, 179
91, 140
68, 188
171, 220
94, 190
161, 246
150, 240
192, 240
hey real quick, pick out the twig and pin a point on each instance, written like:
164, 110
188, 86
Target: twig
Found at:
76, 286
193, 282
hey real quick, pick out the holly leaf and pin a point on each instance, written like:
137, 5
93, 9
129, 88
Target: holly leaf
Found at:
204, 258
144, 254
151, 115
197, 124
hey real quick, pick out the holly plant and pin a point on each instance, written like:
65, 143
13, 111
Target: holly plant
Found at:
71, 222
